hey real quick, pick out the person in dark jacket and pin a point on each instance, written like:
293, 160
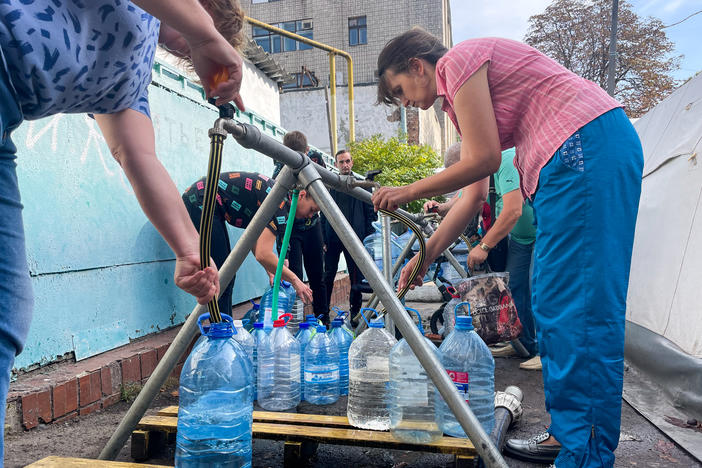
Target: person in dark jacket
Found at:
360, 216
306, 240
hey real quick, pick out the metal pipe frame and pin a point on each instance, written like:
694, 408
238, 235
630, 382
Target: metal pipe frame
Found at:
387, 264
285, 181
470, 424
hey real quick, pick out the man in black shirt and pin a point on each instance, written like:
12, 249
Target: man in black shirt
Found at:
360, 216
239, 194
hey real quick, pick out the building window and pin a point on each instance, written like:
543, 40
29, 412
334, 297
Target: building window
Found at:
357, 31
274, 43
302, 80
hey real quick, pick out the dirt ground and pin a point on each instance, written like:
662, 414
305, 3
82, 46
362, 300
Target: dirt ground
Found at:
641, 444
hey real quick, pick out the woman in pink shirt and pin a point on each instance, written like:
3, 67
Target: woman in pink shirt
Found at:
578, 157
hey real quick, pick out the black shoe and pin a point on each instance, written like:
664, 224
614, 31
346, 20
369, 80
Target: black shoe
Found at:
532, 450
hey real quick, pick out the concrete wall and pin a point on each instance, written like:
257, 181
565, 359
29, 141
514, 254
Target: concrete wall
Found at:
101, 273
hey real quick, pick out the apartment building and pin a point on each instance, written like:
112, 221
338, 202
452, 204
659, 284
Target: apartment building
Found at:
361, 28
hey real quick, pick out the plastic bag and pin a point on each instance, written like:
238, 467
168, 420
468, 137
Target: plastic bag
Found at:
492, 307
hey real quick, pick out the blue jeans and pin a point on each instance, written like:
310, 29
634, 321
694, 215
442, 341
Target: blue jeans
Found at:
585, 209
519, 268
15, 287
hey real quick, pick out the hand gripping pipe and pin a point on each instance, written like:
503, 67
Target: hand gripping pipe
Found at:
283, 184
310, 175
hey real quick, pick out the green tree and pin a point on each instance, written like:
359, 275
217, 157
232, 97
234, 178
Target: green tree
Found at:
576, 34
400, 162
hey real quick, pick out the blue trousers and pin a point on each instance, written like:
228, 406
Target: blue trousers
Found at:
519, 258
16, 298
586, 206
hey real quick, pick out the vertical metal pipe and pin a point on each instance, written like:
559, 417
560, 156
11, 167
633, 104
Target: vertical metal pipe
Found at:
387, 264
332, 85
486, 449
180, 343
352, 114
612, 68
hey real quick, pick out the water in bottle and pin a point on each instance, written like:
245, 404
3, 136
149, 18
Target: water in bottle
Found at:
279, 370
304, 335
470, 365
342, 340
369, 374
321, 369
215, 415
411, 396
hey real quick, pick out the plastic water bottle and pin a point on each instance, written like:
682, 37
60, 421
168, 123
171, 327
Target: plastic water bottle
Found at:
312, 320
286, 297
279, 370
369, 375
259, 334
321, 369
342, 341
251, 316
469, 363
304, 335
450, 314
215, 415
411, 396
298, 315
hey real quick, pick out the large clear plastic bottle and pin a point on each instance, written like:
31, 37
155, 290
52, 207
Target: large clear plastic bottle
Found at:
286, 298
321, 369
215, 415
469, 363
342, 340
304, 335
279, 370
450, 313
369, 374
411, 395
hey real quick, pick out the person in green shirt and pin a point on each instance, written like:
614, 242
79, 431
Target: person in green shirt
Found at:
515, 219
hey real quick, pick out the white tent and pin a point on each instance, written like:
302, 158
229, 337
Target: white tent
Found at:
664, 305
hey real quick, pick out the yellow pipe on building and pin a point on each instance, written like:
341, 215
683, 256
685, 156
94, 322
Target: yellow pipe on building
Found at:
332, 74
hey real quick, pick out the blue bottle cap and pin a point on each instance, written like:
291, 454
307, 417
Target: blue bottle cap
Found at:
377, 323
258, 325
304, 325
285, 284
337, 323
220, 330
321, 329
311, 318
464, 322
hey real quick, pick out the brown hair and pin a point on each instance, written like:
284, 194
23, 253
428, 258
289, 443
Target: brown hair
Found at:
296, 140
452, 154
228, 19
396, 55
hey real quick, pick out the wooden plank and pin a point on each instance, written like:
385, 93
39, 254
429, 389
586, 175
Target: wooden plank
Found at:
65, 462
330, 435
140, 445
283, 418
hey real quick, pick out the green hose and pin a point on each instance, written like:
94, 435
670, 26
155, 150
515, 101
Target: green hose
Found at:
283, 253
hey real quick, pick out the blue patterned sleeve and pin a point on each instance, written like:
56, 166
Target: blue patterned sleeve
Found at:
141, 104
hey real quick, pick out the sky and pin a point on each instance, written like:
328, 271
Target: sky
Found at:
510, 19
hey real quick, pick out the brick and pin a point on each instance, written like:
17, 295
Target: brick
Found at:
148, 363
176, 371
44, 406
160, 351
110, 400
30, 410
89, 388
111, 378
59, 396
71, 395
89, 408
131, 369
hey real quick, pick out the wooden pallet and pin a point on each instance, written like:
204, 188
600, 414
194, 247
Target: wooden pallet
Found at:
68, 462
301, 433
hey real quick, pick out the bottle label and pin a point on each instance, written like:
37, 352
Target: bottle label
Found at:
321, 375
460, 380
